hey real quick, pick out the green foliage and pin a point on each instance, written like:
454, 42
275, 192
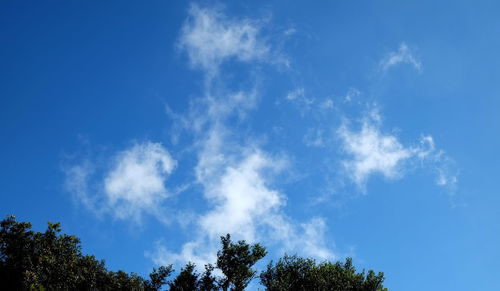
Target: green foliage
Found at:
187, 280
236, 261
49, 260
158, 278
208, 282
296, 273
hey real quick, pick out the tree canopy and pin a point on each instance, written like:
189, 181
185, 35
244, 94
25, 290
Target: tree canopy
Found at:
49, 260
300, 274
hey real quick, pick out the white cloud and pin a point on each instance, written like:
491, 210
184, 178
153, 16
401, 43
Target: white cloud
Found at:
77, 183
241, 198
244, 205
235, 174
447, 177
134, 185
198, 252
297, 96
299, 99
313, 242
209, 37
136, 182
237, 181
372, 151
352, 93
404, 55
445, 168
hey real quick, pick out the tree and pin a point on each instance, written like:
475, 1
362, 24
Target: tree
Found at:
236, 261
49, 260
289, 273
187, 280
295, 273
158, 277
208, 282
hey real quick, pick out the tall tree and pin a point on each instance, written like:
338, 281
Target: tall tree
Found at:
235, 260
187, 280
208, 282
158, 278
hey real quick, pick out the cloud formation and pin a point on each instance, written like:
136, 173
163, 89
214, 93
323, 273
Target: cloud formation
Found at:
241, 198
237, 184
209, 37
404, 55
238, 178
133, 185
372, 151
236, 174
299, 98
136, 182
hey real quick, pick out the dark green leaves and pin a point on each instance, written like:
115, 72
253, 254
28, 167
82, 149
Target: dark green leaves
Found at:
235, 261
296, 273
52, 261
187, 280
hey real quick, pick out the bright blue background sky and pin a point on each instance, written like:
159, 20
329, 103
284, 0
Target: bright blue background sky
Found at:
83, 83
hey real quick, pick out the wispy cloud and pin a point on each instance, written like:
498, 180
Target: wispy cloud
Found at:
78, 184
314, 243
404, 55
210, 37
371, 151
238, 188
298, 99
237, 183
236, 174
351, 95
133, 185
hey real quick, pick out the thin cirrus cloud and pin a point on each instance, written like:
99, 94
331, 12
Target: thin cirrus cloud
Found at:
370, 151
404, 55
133, 186
300, 100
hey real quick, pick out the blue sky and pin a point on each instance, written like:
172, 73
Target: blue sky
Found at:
344, 128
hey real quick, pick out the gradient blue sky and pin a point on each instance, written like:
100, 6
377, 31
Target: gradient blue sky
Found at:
329, 129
